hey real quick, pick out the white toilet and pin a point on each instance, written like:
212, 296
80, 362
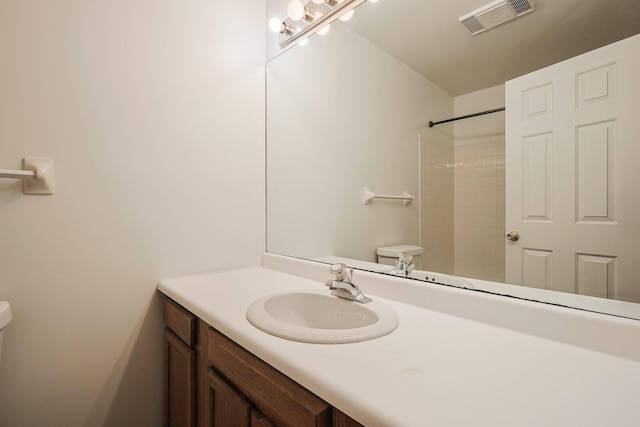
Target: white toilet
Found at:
5, 319
389, 255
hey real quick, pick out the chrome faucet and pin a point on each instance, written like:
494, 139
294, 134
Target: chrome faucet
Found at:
404, 265
342, 285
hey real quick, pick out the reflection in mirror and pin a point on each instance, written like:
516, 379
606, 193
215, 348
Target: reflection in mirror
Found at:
350, 111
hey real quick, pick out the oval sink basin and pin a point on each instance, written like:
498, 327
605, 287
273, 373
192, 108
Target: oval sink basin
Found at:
319, 317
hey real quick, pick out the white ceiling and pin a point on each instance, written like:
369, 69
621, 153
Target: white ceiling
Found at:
427, 36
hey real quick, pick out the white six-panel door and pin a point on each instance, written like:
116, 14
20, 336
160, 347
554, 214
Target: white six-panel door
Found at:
573, 174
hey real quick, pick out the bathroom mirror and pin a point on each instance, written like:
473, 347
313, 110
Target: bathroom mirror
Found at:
350, 111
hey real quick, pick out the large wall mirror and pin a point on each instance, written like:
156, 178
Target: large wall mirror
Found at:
349, 114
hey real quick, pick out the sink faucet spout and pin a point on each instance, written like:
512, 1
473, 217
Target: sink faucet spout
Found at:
404, 266
342, 285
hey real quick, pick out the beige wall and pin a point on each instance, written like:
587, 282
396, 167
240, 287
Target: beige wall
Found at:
480, 186
153, 113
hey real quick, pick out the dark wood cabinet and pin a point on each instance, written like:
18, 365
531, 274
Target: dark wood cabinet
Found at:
259, 420
283, 401
227, 407
180, 369
340, 419
210, 381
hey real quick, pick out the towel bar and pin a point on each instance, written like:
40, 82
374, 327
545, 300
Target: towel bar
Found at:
36, 176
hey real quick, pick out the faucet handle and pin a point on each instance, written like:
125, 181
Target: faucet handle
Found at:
339, 271
342, 285
406, 258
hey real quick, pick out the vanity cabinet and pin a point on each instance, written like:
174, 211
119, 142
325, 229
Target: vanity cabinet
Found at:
180, 366
212, 381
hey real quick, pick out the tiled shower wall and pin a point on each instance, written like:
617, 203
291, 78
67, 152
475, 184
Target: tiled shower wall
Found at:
479, 147
463, 210
463, 191
437, 213
479, 200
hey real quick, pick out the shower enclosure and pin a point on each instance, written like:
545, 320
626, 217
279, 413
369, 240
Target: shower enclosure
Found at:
463, 190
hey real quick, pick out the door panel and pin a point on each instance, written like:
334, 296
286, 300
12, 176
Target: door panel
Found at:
537, 180
596, 275
595, 157
536, 268
572, 144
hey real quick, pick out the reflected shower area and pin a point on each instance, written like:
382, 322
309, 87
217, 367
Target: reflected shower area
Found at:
462, 181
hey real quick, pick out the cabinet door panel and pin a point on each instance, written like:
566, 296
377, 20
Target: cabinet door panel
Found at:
180, 321
340, 419
285, 402
180, 382
228, 407
259, 420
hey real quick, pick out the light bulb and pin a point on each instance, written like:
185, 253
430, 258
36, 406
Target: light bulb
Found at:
304, 41
275, 25
296, 10
324, 30
347, 16
318, 1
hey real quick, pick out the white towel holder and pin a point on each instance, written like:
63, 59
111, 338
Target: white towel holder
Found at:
368, 195
36, 175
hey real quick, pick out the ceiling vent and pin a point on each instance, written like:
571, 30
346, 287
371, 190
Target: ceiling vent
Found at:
495, 13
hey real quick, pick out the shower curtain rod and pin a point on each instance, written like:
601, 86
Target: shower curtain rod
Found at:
432, 124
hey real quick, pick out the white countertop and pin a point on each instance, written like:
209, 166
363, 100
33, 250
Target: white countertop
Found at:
457, 358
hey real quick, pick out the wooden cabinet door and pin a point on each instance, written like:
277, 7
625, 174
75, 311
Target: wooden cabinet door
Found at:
259, 420
180, 382
285, 402
340, 419
227, 408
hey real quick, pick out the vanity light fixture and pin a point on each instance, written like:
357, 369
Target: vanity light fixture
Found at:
307, 17
297, 11
278, 26
324, 30
330, 3
347, 16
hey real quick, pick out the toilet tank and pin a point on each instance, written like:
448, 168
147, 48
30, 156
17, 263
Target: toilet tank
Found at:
389, 255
